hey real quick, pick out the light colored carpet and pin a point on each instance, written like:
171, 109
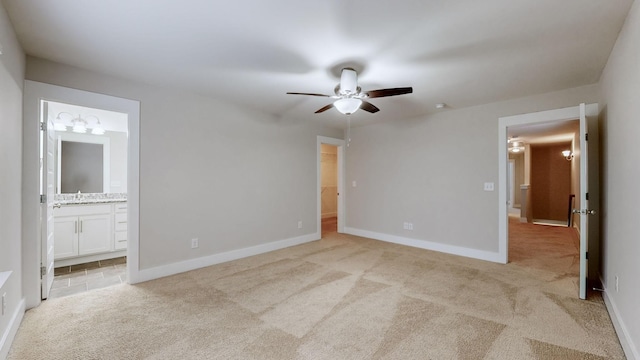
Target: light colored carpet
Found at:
342, 297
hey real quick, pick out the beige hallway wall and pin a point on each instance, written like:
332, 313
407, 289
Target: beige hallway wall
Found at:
550, 181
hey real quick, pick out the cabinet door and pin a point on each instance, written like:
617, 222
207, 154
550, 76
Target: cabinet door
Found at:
95, 234
65, 237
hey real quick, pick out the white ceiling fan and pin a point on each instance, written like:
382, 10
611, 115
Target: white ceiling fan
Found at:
350, 97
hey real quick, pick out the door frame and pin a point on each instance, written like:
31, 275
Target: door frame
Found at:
511, 183
340, 144
564, 114
34, 93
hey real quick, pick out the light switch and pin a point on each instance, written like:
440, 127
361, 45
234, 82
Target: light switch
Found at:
353, 183
488, 186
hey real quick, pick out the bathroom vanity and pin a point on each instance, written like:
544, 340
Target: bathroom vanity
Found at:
89, 227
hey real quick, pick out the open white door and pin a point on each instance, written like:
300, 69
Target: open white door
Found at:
584, 210
586, 114
47, 178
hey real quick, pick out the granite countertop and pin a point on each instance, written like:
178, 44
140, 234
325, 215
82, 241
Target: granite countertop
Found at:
89, 198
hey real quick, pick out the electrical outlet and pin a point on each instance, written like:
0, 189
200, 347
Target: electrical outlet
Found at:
299, 224
616, 283
488, 186
194, 243
4, 303
410, 226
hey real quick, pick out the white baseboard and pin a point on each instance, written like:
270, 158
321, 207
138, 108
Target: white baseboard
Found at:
12, 329
197, 263
428, 245
630, 349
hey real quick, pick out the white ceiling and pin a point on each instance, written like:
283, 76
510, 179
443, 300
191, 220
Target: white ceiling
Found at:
251, 52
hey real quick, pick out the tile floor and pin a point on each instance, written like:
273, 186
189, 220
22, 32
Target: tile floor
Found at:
79, 278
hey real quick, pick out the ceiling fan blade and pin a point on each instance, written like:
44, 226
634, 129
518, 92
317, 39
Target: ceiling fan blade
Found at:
369, 107
389, 92
324, 108
311, 94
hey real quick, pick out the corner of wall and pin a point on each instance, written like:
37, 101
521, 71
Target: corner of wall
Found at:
630, 350
10, 333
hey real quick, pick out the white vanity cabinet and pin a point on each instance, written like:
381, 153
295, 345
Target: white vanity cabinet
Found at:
82, 230
120, 226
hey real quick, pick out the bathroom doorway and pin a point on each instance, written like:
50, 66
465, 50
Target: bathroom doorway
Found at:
90, 201
39, 192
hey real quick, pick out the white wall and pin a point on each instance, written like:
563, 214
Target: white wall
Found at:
12, 65
620, 130
118, 161
231, 177
432, 170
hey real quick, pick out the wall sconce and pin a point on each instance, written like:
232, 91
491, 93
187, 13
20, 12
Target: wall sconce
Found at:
567, 155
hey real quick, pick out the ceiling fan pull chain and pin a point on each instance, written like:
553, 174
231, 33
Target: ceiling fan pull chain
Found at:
348, 129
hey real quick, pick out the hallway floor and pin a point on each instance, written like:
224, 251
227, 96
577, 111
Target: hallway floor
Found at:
329, 224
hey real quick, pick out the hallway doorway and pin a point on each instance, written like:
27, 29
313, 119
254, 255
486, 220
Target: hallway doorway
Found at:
585, 167
330, 162
329, 188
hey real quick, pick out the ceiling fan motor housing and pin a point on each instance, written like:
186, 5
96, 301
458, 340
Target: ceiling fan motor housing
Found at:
348, 82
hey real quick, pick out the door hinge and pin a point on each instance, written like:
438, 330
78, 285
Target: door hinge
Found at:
43, 126
586, 255
43, 271
586, 137
587, 196
43, 199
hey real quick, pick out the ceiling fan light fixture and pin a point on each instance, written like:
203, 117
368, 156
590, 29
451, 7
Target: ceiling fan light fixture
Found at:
516, 145
347, 106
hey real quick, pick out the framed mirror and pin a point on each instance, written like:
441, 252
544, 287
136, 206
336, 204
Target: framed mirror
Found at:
83, 163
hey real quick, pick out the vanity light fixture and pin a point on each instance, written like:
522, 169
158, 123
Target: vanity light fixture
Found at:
59, 127
78, 124
98, 129
567, 155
